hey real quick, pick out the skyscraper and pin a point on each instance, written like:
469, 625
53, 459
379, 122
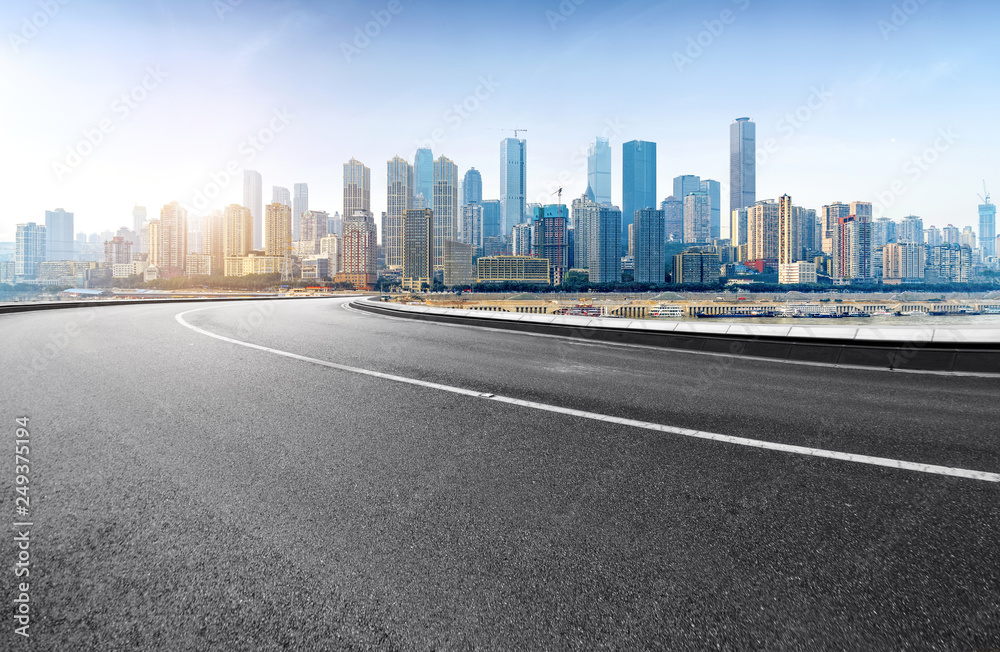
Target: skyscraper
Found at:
472, 226
446, 208
254, 200
472, 187
138, 219
423, 177
738, 227
714, 190
300, 204
29, 250
400, 191
852, 247
277, 229
638, 181
314, 225
357, 188
604, 256
742, 164
59, 244
173, 233
988, 227
648, 234
512, 182
911, 229
599, 170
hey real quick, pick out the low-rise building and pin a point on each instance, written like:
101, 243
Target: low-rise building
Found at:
525, 269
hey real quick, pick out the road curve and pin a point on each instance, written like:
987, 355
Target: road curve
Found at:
196, 493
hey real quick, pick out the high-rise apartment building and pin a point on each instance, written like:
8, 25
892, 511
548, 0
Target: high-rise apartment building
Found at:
29, 250
696, 266
152, 235
117, 251
584, 223
948, 264
253, 198
852, 248
968, 237
446, 206
418, 248
277, 229
357, 188
237, 231
520, 239
173, 234
472, 187
300, 204
472, 226
513, 182
599, 170
933, 237
648, 242
788, 233
604, 257
950, 234
810, 236
829, 219
903, 262
423, 179
883, 232
742, 164
911, 229
638, 181
400, 191
59, 244
697, 217
762, 230
332, 248
360, 250
213, 243
738, 227
313, 225
673, 219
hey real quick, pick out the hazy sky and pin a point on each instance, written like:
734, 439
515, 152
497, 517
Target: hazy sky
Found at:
888, 95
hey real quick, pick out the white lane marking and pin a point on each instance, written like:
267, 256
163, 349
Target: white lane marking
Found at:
686, 432
600, 343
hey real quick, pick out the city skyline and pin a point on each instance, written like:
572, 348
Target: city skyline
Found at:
885, 94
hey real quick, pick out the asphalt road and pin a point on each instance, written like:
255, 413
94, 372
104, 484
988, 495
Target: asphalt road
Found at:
189, 493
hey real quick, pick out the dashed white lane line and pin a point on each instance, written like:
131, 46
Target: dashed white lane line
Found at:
685, 432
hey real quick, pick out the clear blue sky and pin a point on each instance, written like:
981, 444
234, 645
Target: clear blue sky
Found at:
883, 85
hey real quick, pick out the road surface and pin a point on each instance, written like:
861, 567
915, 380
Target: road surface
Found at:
190, 492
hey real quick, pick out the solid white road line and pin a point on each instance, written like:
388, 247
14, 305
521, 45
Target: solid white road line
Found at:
739, 441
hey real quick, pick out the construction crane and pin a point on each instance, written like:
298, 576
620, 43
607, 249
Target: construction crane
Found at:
986, 195
559, 192
515, 130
